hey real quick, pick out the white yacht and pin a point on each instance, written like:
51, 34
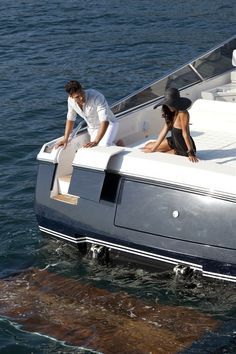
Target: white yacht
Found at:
155, 207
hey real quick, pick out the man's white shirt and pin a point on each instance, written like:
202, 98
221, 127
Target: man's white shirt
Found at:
95, 109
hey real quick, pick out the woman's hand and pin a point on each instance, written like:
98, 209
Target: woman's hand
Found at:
193, 158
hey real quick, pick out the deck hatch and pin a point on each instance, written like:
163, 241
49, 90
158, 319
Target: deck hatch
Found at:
87, 183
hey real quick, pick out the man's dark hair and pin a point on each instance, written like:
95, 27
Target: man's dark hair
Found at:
73, 86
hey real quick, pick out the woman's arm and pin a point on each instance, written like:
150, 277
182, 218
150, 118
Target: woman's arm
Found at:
184, 120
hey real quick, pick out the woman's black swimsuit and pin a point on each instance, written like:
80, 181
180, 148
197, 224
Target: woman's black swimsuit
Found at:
176, 142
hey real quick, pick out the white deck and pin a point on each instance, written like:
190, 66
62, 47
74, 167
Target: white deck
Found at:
216, 147
213, 128
212, 146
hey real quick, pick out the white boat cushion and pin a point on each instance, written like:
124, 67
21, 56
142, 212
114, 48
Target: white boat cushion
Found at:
233, 77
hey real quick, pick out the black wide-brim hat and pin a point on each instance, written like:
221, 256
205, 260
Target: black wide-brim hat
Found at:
172, 99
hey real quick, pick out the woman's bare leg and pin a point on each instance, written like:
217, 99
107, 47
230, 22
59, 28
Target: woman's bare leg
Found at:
149, 145
163, 147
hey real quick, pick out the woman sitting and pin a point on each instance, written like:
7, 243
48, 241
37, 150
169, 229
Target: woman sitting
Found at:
174, 110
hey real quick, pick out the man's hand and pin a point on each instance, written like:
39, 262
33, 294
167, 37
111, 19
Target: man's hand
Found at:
90, 144
63, 143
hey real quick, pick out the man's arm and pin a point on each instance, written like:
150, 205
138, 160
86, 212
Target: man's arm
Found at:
101, 132
68, 129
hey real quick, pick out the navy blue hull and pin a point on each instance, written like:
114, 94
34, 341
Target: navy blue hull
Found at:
153, 221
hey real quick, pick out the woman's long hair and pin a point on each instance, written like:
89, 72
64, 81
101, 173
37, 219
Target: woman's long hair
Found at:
168, 115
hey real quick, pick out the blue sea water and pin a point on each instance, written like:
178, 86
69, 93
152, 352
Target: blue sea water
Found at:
115, 46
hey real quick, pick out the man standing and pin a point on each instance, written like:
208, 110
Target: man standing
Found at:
92, 106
